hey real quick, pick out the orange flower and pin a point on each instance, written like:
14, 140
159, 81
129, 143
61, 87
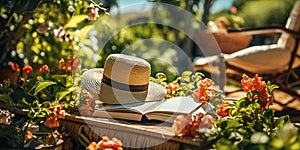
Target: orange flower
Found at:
58, 110
21, 80
257, 84
173, 86
181, 125
222, 111
52, 106
52, 122
15, 67
44, 69
246, 83
62, 64
92, 146
106, 144
186, 126
205, 90
61, 114
49, 139
28, 135
27, 69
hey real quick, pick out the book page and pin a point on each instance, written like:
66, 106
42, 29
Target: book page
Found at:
182, 105
141, 107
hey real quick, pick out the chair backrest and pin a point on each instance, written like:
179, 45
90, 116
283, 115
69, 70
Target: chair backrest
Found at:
293, 23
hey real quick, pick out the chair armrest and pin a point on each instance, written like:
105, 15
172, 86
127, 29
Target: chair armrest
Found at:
265, 30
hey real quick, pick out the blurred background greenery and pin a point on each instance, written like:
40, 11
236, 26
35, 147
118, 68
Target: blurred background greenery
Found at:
22, 42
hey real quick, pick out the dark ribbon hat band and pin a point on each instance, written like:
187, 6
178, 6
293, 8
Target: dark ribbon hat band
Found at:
122, 86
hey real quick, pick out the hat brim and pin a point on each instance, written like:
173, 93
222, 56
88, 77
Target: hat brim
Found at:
92, 82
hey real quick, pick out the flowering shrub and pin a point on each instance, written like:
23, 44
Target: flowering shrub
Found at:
45, 97
188, 84
249, 122
202, 90
239, 124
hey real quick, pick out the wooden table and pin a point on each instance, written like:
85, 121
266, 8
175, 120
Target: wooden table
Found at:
133, 135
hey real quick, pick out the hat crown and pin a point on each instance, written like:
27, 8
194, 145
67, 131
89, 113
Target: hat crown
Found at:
127, 69
124, 79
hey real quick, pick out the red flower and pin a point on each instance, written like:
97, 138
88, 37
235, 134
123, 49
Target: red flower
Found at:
62, 64
173, 86
15, 67
74, 64
222, 111
257, 84
233, 10
44, 69
27, 69
205, 90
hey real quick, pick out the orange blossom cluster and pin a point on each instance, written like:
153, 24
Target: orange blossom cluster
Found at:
257, 84
205, 90
186, 126
106, 144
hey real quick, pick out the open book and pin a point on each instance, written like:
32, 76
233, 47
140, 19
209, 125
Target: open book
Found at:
153, 110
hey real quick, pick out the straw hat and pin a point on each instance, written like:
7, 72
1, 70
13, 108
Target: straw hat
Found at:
124, 79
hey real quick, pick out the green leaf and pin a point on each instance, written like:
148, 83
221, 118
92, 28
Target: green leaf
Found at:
161, 76
75, 21
281, 121
295, 146
277, 143
243, 102
271, 87
42, 85
186, 76
4, 98
61, 95
228, 124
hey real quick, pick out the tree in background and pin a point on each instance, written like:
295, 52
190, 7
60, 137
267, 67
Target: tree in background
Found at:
264, 12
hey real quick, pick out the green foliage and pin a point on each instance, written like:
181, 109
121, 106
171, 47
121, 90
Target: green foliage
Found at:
249, 126
266, 12
34, 97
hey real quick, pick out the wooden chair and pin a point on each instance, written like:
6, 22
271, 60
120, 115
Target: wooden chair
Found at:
277, 62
